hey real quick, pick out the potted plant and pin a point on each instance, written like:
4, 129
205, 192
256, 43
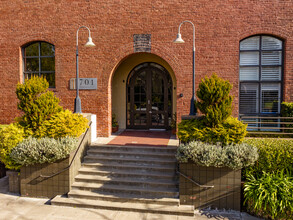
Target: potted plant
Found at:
115, 125
173, 123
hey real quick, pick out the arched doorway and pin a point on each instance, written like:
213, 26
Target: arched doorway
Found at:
149, 97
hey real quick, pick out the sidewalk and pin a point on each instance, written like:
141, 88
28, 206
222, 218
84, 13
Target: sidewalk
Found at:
15, 207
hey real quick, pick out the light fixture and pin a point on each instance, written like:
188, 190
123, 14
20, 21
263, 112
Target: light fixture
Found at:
89, 43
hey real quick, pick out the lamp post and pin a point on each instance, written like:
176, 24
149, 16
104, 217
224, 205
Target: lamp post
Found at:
180, 40
89, 43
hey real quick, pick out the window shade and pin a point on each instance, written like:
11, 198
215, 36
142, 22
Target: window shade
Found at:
271, 73
251, 43
249, 73
249, 58
248, 98
271, 58
271, 43
270, 98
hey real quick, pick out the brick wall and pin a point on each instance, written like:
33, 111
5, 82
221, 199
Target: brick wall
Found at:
220, 25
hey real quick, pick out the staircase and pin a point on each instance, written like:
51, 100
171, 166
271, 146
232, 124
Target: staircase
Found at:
127, 178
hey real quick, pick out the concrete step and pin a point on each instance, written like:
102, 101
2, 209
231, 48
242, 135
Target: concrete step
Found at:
122, 181
129, 172
119, 197
126, 160
139, 149
124, 206
130, 154
132, 190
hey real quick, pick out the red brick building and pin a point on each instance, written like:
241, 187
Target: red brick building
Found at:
141, 75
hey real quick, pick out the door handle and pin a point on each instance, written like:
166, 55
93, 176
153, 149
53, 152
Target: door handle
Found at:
149, 101
150, 112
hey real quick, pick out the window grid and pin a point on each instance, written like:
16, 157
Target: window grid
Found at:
28, 74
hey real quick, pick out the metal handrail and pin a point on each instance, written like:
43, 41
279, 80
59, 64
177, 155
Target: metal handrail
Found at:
191, 180
66, 168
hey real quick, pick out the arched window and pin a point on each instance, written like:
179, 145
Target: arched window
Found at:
39, 60
260, 74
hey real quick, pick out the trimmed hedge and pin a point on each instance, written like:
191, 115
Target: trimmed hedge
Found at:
44, 150
274, 155
230, 131
234, 156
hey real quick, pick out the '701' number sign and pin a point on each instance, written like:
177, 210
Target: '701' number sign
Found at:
84, 83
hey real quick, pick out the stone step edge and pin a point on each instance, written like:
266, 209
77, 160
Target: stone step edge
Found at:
98, 186
153, 154
86, 178
125, 166
129, 159
140, 207
118, 172
119, 198
133, 147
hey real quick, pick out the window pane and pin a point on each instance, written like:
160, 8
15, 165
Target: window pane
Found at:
50, 77
31, 64
271, 43
271, 58
248, 98
32, 50
270, 98
47, 49
48, 64
249, 73
249, 58
271, 73
251, 43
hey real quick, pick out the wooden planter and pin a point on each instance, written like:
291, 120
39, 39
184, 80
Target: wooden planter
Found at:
115, 129
14, 181
51, 179
224, 195
2, 170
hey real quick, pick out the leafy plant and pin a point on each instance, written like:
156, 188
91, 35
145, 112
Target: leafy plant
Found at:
10, 136
36, 102
234, 156
215, 102
287, 111
44, 150
114, 121
174, 121
274, 155
230, 131
63, 124
271, 195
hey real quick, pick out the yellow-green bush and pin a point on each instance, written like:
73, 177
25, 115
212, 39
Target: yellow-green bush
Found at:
10, 136
36, 102
63, 124
230, 131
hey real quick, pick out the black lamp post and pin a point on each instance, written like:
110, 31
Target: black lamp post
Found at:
180, 40
89, 43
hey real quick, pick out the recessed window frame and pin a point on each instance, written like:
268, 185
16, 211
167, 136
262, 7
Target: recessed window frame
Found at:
40, 72
260, 81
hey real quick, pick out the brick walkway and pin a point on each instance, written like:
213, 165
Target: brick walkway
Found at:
142, 138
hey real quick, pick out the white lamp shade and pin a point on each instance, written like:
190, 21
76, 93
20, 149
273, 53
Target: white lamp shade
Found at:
89, 43
178, 39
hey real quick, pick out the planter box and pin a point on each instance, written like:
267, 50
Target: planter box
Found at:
224, 195
14, 181
32, 184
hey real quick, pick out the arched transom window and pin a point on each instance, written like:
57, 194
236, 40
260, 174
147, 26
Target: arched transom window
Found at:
39, 60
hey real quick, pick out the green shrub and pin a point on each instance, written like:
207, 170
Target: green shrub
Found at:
214, 100
235, 156
230, 131
63, 124
10, 136
274, 155
44, 150
287, 111
36, 102
270, 196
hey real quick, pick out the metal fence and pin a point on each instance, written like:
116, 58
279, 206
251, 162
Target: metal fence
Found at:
268, 125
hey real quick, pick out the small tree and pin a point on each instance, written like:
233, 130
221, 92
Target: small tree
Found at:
214, 100
37, 103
